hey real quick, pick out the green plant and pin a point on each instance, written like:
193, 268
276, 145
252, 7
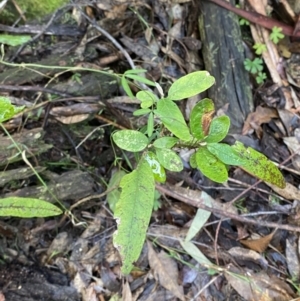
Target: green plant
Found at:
19, 206
156, 148
260, 78
259, 48
276, 34
254, 66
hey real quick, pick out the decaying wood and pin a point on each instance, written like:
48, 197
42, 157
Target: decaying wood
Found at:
72, 185
224, 58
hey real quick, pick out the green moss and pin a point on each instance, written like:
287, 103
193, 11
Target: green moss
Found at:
32, 9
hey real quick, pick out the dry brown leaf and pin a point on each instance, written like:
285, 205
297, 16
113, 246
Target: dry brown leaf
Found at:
259, 287
260, 116
290, 192
126, 292
165, 270
292, 259
73, 119
242, 254
258, 245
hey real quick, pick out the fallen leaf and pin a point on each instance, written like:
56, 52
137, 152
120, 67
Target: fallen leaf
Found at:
258, 286
292, 259
165, 270
258, 245
260, 116
289, 192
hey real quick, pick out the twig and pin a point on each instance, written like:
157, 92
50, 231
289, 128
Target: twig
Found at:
199, 204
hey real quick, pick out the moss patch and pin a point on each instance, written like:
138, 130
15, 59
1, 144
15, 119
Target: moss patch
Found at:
32, 9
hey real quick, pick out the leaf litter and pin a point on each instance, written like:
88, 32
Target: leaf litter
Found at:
184, 241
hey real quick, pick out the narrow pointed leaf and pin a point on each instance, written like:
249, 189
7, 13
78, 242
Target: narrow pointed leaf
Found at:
126, 87
172, 118
140, 112
169, 159
198, 124
141, 79
194, 252
199, 220
130, 140
165, 142
133, 212
258, 165
150, 125
225, 153
135, 71
211, 166
218, 129
190, 85
158, 171
27, 207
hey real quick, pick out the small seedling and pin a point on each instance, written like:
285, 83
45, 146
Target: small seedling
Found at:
276, 34
157, 145
259, 48
260, 78
254, 66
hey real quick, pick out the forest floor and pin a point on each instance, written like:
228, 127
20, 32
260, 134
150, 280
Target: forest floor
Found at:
68, 76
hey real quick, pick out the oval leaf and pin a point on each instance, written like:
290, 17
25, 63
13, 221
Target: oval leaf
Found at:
169, 159
165, 142
211, 166
147, 98
225, 153
172, 118
190, 85
258, 165
193, 161
141, 79
133, 212
158, 171
218, 129
27, 207
198, 121
130, 140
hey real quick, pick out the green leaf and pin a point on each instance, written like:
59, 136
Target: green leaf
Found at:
158, 171
141, 79
276, 34
199, 220
133, 212
114, 196
147, 98
199, 126
225, 153
27, 207
194, 252
193, 161
7, 110
14, 40
211, 166
135, 71
190, 85
172, 118
126, 87
130, 140
258, 165
141, 112
165, 142
218, 129
150, 124
169, 159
